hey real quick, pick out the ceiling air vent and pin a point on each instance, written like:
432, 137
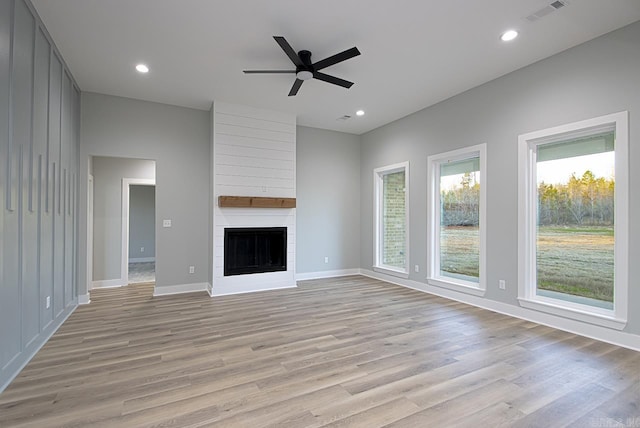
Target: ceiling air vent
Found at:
558, 4
344, 118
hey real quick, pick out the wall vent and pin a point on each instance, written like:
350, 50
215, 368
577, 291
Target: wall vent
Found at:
558, 4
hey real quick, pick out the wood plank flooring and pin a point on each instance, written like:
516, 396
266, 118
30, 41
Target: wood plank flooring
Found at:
349, 351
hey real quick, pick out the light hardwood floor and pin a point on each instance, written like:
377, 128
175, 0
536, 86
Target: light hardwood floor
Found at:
349, 351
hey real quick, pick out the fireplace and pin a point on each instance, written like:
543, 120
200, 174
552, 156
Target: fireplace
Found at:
250, 250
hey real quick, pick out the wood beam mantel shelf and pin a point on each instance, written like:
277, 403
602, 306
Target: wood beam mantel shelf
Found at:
255, 202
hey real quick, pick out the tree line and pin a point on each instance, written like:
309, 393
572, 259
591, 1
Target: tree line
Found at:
584, 200
459, 206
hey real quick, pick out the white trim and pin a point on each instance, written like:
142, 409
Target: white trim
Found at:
378, 173
84, 299
326, 274
552, 306
615, 337
433, 220
126, 182
527, 191
389, 271
231, 293
142, 260
108, 283
180, 288
90, 192
459, 286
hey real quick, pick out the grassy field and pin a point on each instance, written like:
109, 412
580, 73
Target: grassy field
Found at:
573, 260
459, 250
576, 261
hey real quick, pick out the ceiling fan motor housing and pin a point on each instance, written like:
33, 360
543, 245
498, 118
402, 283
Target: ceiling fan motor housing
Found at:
305, 57
304, 71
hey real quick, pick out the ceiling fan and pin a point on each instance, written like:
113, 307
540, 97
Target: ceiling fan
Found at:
306, 70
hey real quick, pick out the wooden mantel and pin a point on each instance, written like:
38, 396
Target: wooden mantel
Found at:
255, 202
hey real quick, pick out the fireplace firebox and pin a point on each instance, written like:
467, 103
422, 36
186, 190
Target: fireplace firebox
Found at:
250, 250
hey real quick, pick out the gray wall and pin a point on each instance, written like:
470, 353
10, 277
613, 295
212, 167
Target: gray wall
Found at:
178, 139
599, 77
142, 222
328, 200
108, 173
39, 120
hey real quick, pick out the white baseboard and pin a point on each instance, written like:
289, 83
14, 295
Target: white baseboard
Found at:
108, 283
142, 259
615, 337
326, 274
227, 292
84, 299
180, 288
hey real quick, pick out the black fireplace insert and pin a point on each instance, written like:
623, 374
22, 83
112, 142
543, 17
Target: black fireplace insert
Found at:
254, 250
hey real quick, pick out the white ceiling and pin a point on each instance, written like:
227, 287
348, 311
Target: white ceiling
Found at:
415, 53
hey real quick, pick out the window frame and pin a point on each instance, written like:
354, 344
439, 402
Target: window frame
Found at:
527, 222
378, 175
433, 220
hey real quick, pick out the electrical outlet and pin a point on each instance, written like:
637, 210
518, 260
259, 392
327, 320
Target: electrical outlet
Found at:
192, 269
502, 284
326, 259
166, 223
142, 249
416, 268
48, 302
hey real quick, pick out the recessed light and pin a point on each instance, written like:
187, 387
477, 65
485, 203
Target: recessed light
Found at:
507, 36
360, 113
142, 68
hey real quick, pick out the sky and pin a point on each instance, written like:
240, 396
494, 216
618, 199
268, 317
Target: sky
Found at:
556, 171
559, 171
450, 182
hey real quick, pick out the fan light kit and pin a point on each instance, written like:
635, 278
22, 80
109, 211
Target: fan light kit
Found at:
507, 36
142, 68
304, 75
306, 70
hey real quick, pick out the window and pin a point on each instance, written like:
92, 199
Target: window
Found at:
456, 219
392, 219
573, 220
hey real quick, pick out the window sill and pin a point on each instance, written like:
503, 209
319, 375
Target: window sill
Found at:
392, 272
462, 288
578, 314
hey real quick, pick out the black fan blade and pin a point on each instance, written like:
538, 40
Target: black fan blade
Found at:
286, 47
342, 56
332, 79
295, 87
267, 71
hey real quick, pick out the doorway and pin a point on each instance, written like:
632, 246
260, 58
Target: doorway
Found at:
138, 234
109, 193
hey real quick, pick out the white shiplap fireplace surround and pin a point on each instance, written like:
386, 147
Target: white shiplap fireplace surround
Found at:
253, 154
